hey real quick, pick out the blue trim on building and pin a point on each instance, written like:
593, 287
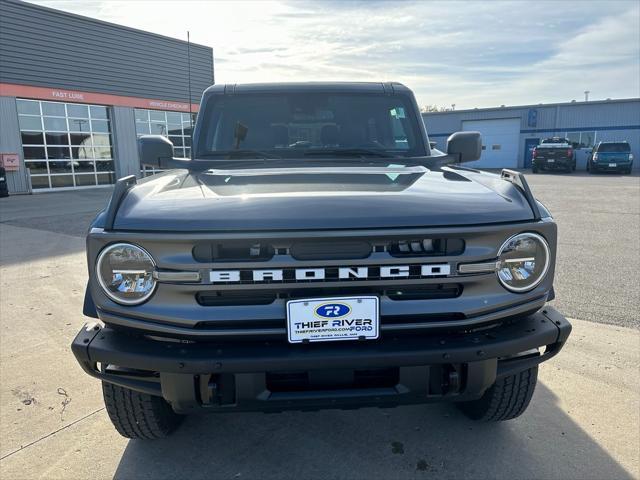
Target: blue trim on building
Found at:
580, 129
559, 129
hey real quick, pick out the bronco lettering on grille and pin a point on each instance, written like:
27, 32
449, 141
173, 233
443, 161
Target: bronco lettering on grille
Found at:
330, 273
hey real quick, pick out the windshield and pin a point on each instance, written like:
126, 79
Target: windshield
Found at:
620, 147
294, 125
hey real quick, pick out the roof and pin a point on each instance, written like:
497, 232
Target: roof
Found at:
538, 105
371, 87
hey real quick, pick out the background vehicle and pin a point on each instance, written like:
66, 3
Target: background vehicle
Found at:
610, 157
316, 253
553, 153
4, 191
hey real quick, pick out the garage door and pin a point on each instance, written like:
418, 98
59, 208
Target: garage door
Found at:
500, 140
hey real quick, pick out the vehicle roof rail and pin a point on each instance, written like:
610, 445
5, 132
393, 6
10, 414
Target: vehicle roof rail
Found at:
119, 192
520, 182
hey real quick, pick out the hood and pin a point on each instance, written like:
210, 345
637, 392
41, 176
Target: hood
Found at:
318, 199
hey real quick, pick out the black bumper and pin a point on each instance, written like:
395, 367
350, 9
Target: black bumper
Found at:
276, 376
557, 164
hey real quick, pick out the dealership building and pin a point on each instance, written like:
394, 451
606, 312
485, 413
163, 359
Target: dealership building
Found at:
510, 133
75, 93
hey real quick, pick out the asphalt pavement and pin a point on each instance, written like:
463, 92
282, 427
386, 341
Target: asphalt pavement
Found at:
583, 423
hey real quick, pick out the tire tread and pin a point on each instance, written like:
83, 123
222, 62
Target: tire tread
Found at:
508, 398
138, 415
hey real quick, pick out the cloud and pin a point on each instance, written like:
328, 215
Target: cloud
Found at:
473, 54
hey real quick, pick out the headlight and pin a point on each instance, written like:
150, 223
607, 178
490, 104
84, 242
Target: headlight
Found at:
125, 273
523, 262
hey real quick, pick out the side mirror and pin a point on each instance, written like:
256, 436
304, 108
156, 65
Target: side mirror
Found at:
155, 151
466, 146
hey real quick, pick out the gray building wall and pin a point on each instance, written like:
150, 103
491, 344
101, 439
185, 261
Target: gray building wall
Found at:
611, 120
10, 142
49, 48
45, 47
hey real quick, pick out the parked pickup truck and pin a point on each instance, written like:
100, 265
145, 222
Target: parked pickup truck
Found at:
554, 153
317, 253
610, 157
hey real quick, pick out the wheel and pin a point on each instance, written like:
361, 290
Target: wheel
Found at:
138, 415
508, 398
627, 171
534, 169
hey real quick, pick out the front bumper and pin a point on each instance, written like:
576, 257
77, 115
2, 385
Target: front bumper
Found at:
276, 376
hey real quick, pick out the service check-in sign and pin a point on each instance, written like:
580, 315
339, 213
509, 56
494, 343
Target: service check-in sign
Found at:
10, 161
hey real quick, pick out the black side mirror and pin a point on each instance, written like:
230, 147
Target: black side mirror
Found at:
466, 146
155, 151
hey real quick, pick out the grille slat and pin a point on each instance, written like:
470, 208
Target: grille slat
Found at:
260, 297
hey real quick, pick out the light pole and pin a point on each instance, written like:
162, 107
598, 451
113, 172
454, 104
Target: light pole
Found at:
586, 95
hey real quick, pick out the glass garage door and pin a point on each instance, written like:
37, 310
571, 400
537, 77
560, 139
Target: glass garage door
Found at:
176, 126
66, 145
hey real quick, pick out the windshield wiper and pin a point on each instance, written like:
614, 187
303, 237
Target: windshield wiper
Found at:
228, 154
348, 152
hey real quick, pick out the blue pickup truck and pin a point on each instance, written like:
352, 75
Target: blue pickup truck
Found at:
611, 157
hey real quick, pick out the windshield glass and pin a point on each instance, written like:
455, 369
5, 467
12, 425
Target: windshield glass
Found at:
295, 125
621, 147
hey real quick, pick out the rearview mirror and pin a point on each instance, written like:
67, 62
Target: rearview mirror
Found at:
155, 151
466, 146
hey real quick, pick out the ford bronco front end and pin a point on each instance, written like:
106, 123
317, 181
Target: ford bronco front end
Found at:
315, 253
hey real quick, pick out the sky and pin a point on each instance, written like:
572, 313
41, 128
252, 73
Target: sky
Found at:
471, 54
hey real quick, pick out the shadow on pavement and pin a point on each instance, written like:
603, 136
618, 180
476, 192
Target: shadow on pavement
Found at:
433, 441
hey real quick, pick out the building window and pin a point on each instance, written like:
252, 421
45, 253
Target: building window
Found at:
585, 139
66, 145
175, 126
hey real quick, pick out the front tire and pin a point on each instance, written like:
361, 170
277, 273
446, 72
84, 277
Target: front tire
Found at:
508, 398
138, 415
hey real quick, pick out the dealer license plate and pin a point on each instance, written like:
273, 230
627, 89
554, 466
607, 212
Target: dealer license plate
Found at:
551, 160
612, 165
333, 319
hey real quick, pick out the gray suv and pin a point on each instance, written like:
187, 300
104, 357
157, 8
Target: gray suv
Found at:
316, 253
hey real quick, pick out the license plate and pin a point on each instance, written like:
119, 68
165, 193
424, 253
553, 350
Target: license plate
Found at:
611, 165
551, 160
333, 319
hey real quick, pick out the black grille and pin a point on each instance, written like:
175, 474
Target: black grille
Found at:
426, 247
330, 250
237, 251
260, 297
